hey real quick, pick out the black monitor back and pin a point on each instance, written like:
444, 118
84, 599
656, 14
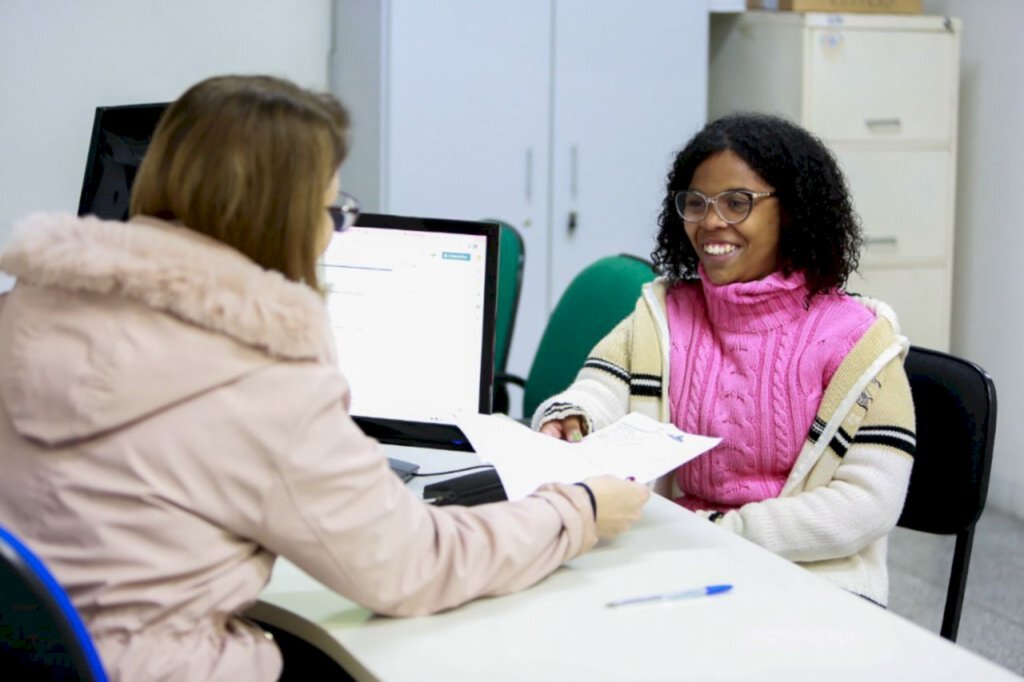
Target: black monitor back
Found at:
120, 136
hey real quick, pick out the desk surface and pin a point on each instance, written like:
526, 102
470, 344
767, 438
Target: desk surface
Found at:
779, 621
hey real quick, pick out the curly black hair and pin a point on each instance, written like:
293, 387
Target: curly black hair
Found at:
820, 234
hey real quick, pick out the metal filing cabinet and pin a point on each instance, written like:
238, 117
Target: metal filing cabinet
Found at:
881, 91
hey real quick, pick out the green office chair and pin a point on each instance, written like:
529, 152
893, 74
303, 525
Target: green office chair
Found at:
597, 299
511, 256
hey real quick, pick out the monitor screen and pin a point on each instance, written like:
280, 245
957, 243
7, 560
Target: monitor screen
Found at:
120, 135
411, 302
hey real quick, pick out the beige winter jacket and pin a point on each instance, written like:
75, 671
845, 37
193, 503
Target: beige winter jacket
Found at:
171, 420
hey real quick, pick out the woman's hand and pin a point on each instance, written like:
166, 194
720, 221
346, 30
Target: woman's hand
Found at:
570, 429
619, 503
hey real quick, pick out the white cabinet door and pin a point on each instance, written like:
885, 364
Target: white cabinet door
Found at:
467, 113
879, 85
904, 200
630, 88
920, 297
528, 111
466, 130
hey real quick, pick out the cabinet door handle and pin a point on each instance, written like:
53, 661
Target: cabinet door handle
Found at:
571, 224
574, 158
875, 123
878, 241
529, 174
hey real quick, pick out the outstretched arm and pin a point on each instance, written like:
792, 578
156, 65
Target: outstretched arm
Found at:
599, 395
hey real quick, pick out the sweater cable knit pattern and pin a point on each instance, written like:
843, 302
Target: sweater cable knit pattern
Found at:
761, 363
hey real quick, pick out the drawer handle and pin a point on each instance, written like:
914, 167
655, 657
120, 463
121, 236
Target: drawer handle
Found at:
876, 123
878, 241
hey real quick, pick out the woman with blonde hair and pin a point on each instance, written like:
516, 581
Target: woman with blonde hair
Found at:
172, 418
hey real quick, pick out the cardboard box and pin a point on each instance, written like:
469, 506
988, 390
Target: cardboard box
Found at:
839, 6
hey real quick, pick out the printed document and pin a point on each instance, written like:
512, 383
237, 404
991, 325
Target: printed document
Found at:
635, 445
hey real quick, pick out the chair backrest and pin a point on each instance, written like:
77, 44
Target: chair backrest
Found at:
597, 299
955, 406
41, 635
511, 257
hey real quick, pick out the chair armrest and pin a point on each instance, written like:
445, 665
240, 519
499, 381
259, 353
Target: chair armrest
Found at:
504, 378
500, 402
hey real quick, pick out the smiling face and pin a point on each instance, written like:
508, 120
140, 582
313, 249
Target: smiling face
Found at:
743, 252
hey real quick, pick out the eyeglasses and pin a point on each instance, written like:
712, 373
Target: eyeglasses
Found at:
733, 206
344, 211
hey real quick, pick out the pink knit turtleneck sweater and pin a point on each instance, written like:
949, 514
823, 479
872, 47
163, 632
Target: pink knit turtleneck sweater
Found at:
749, 363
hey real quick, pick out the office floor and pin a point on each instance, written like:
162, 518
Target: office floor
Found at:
992, 622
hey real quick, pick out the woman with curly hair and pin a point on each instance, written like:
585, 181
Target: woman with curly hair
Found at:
749, 335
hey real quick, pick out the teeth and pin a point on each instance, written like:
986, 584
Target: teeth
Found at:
719, 249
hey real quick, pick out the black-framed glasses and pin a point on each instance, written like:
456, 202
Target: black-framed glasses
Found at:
344, 211
733, 205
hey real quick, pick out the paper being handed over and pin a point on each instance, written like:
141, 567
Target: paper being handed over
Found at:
635, 445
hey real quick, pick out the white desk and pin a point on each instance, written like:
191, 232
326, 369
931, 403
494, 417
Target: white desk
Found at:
779, 622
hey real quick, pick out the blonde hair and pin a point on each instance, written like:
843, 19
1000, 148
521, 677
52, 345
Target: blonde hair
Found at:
246, 160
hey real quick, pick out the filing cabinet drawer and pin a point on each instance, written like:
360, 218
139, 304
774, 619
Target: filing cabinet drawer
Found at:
921, 297
905, 202
881, 85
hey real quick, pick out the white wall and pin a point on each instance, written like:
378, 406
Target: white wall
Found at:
59, 59
988, 304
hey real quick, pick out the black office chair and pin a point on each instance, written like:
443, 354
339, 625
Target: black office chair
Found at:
955, 404
303, 660
41, 635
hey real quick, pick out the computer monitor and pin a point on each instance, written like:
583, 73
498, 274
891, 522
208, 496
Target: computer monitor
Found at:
412, 305
120, 136
412, 301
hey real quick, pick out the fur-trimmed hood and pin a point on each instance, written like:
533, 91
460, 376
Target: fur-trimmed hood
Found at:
81, 350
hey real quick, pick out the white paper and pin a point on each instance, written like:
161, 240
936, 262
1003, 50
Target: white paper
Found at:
636, 446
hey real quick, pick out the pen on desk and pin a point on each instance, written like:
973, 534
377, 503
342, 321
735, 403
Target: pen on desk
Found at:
705, 591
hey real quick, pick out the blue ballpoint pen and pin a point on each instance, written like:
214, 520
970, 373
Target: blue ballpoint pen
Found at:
705, 591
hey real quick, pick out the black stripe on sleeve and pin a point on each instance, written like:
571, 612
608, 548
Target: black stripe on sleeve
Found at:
609, 368
840, 442
817, 427
890, 436
648, 385
554, 408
